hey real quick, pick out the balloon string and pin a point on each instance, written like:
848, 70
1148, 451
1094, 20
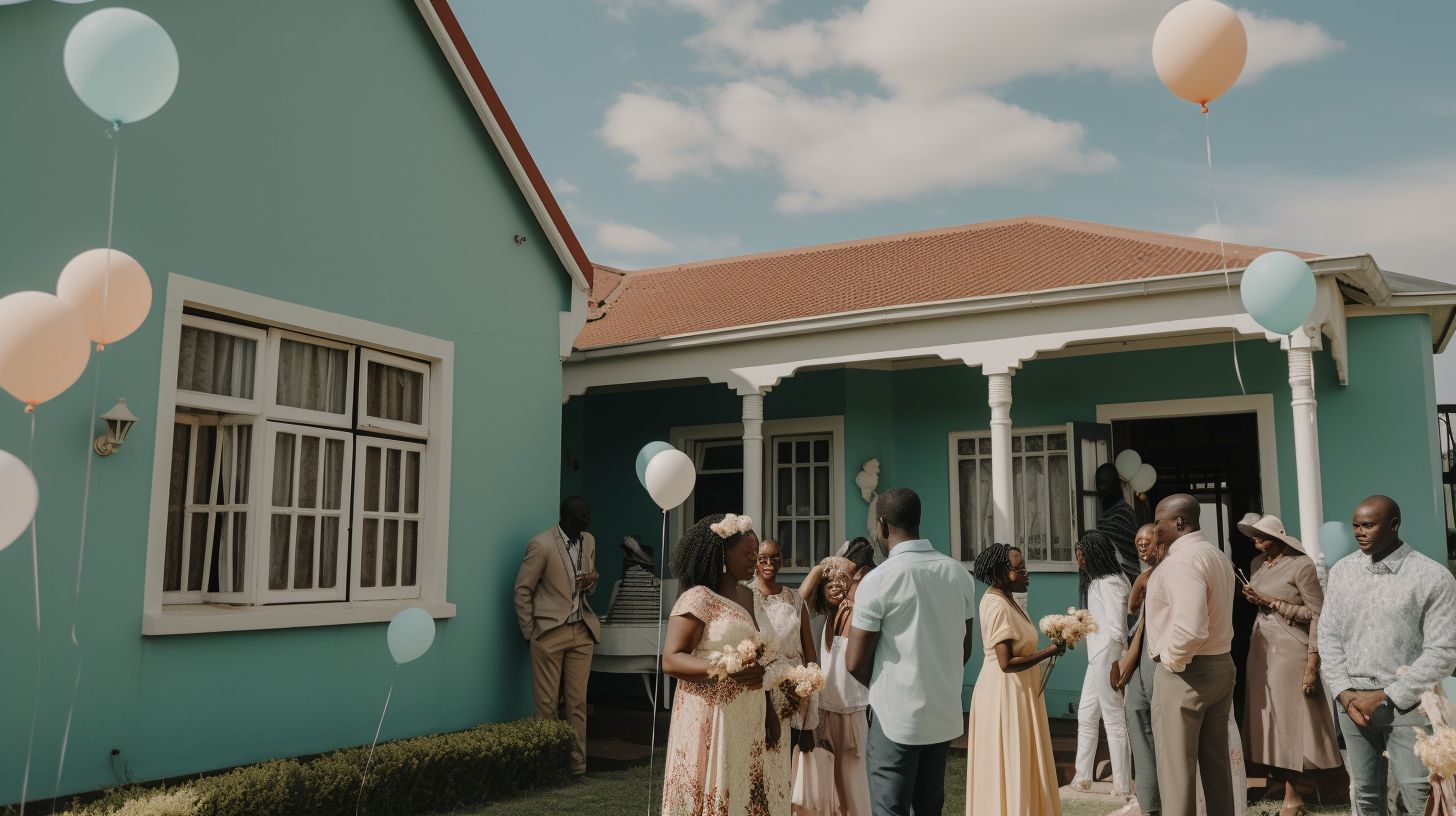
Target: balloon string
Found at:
370, 760
66, 735
1223, 253
39, 652
34, 548
657, 683
114, 134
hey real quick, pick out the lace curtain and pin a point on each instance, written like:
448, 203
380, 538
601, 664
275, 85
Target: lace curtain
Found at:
312, 377
211, 362
395, 394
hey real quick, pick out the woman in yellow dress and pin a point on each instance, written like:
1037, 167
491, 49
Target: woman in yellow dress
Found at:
1011, 766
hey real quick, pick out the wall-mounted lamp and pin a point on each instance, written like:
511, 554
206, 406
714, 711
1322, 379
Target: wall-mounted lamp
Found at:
118, 422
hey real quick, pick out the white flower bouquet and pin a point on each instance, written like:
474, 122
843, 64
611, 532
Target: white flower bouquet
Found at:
1065, 630
1437, 751
733, 659
802, 680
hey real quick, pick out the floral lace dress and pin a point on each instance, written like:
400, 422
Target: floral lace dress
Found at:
715, 750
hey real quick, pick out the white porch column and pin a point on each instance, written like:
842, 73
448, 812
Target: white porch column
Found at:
1003, 517
753, 462
1306, 456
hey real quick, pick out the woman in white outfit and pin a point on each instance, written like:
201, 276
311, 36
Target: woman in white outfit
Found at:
1104, 593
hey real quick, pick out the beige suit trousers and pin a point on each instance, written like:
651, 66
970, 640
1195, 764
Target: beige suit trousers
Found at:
560, 665
1191, 735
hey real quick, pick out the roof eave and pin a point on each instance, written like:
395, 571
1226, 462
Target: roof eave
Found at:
452, 40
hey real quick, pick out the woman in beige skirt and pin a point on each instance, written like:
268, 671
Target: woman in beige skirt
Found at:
1287, 720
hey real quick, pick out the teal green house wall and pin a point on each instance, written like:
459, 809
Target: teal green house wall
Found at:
903, 418
323, 154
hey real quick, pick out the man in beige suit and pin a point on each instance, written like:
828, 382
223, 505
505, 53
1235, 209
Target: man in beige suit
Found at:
556, 575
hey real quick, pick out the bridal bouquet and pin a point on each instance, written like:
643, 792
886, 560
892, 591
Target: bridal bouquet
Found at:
1065, 630
1437, 751
802, 680
733, 659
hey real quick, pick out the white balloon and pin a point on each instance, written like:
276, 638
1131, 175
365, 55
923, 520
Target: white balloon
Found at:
670, 478
112, 308
121, 63
1127, 464
19, 496
1144, 479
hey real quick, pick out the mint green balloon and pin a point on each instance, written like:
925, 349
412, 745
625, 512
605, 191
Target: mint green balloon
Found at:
645, 455
1278, 291
121, 63
410, 634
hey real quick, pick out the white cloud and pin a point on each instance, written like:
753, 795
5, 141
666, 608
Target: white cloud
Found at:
563, 187
936, 126
633, 240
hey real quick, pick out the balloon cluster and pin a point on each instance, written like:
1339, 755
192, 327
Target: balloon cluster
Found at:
123, 66
667, 473
1139, 475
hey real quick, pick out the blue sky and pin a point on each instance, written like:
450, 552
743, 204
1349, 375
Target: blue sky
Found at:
681, 130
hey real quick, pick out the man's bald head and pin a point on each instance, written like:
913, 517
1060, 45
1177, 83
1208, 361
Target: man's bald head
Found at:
1176, 517
575, 516
1377, 526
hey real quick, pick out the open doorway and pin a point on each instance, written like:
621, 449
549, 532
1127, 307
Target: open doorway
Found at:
1215, 458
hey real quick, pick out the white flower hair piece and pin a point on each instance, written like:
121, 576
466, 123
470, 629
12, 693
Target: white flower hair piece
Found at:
732, 525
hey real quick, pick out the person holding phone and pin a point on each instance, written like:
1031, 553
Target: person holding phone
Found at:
557, 574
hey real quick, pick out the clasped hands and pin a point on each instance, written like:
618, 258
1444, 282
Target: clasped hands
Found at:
587, 582
1361, 705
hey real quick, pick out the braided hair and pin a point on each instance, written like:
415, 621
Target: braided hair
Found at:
1100, 556
697, 560
861, 552
993, 564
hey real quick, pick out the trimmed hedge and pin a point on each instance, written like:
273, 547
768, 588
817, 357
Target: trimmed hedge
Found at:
429, 774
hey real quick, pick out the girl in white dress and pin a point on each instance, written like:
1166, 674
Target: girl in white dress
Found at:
783, 624
1104, 593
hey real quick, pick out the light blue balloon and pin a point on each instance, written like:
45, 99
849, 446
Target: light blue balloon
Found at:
645, 455
410, 634
1278, 291
1336, 540
121, 63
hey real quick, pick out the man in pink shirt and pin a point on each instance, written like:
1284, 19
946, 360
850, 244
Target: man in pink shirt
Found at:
1190, 627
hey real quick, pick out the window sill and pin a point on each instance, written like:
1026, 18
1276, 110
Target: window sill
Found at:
191, 619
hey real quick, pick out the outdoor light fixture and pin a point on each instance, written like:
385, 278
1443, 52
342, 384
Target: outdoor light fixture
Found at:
118, 422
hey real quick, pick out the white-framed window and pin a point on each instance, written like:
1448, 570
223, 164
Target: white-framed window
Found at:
801, 512
289, 433
1043, 494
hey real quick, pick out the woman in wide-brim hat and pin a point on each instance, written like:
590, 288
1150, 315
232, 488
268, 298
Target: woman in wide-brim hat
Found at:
1287, 721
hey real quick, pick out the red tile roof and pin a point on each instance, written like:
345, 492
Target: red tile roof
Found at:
1027, 254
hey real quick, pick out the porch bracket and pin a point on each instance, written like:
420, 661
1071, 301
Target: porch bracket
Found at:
753, 460
999, 396
1306, 456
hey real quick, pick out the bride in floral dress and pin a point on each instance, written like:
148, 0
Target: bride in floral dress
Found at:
722, 729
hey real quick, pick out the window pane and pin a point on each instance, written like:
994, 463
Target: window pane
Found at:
801, 451
821, 450
411, 549
396, 393
801, 543
203, 462
278, 552
786, 491
985, 445
283, 470
821, 543
312, 377
723, 457
1018, 495
329, 552
391, 481
308, 473
240, 549
1034, 443
966, 485
177, 486
224, 466
1056, 442
412, 482
197, 551
221, 563
244, 456
303, 554
986, 507
210, 362
965, 447
369, 547
786, 538
1036, 506
371, 479
333, 473
389, 553
801, 492
1060, 513
1016, 444
821, 491
785, 453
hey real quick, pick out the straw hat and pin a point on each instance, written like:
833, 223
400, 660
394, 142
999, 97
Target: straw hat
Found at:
1269, 527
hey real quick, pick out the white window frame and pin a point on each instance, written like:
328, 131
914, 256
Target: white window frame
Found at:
771, 508
267, 510
957, 546
367, 422
357, 542
197, 421
288, 413
684, 437
183, 292
215, 402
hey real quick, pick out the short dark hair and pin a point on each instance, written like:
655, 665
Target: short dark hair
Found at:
697, 560
899, 507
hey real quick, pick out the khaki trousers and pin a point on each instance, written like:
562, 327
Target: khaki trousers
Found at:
1191, 731
560, 664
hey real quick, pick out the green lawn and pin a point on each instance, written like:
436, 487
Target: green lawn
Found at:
624, 793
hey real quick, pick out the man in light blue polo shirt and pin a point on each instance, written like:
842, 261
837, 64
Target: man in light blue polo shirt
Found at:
909, 642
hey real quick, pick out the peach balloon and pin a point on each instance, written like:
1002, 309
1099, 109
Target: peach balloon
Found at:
112, 309
1199, 50
43, 346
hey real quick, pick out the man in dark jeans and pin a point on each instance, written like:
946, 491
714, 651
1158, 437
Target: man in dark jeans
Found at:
912, 616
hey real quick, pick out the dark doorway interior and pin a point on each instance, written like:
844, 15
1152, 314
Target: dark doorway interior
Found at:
1216, 459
